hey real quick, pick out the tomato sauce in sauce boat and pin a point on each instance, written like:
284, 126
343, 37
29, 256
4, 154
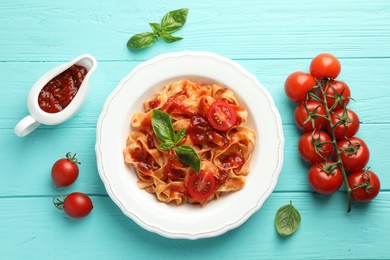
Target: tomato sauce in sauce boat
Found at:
58, 94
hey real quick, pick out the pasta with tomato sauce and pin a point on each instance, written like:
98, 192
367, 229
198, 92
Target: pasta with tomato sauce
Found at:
214, 123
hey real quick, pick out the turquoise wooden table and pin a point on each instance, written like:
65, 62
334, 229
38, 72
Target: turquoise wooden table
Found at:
271, 39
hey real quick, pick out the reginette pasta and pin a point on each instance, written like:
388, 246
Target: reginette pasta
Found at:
220, 138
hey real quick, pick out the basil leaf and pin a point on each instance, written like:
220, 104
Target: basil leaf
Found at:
162, 124
287, 220
179, 135
169, 37
156, 27
142, 40
167, 145
188, 156
174, 20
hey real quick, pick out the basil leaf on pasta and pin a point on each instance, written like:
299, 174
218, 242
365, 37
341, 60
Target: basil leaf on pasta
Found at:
188, 156
167, 145
179, 135
162, 124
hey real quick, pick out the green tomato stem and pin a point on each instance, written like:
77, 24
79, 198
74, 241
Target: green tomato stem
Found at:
338, 152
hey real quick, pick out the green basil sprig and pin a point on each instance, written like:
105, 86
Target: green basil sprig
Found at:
170, 23
287, 220
162, 124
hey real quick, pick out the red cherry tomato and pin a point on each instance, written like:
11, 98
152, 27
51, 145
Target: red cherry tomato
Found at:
201, 186
354, 153
298, 84
222, 116
346, 123
325, 178
77, 205
325, 65
315, 147
338, 92
365, 185
307, 115
65, 171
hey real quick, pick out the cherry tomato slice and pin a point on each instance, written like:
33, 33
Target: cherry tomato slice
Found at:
201, 186
222, 116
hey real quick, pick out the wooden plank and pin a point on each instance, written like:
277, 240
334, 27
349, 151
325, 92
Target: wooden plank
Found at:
371, 91
32, 228
260, 29
25, 169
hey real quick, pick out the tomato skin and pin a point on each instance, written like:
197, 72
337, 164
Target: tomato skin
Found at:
323, 182
65, 171
298, 84
336, 88
77, 205
358, 178
200, 186
354, 153
351, 126
306, 146
221, 116
325, 65
301, 115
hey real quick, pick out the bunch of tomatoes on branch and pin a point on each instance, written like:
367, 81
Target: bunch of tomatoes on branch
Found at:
329, 142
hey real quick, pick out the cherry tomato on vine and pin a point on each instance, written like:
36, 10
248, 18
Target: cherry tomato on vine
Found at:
75, 205
298, 84
365, 185
200, 186
222, 116
338, 92
308, 114
346, 123
325, 65
325, 178
65, 171
315, 147
354, 153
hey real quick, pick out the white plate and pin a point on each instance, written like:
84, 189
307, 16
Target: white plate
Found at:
188, 221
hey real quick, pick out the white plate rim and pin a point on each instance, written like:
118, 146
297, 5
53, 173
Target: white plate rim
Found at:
200, 234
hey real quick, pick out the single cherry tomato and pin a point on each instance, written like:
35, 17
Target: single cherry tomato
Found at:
354, 153
222, 116
75, 205
325, 178
65, 171
346, 123
315, 147
365, 185
308, 115
201, 186
325, 65
298, 84
337, 94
